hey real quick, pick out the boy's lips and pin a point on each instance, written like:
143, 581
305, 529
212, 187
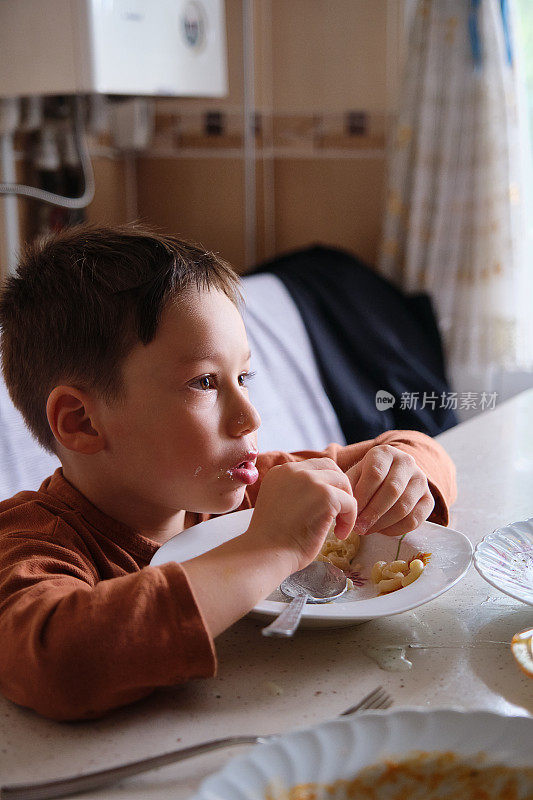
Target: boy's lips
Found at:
245, 471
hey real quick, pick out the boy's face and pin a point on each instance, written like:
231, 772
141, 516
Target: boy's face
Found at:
187, 423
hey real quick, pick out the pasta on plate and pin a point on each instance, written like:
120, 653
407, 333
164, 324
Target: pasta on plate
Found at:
339, 552
387, 576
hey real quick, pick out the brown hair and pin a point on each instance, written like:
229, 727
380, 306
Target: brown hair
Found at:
82, 299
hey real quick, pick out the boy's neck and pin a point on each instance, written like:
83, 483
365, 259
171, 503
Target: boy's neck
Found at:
119, 504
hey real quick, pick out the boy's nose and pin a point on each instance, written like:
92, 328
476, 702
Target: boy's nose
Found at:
245, 418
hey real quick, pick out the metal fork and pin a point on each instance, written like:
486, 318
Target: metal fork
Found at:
377, 699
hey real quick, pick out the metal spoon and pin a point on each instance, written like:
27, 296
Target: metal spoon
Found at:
319, 582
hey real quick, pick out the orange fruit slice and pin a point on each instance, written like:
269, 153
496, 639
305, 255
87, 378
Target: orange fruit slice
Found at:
522, 650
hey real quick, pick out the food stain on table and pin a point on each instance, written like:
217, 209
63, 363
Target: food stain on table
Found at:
391, 658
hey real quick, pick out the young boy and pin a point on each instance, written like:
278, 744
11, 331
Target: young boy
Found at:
126, 353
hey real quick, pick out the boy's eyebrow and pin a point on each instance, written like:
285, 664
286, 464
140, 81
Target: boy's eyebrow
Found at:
203, 356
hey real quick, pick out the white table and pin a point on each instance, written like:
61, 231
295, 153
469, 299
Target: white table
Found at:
452, 651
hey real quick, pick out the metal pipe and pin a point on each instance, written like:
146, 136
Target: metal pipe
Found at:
10, 202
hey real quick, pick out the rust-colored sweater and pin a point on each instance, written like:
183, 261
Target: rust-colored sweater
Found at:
86, 625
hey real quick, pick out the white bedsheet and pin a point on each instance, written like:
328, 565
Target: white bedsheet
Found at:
24, 464
287, 391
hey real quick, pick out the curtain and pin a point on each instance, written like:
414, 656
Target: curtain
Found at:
456, 222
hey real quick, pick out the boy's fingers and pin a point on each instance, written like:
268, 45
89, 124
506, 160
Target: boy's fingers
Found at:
330, 473
379, 486
409, 523
374, 468
346, 515
354, 473
327, 471
416, 498
315, 463
404, 501
338, 479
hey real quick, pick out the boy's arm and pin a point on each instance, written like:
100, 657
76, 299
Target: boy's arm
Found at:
74, 647
430, 456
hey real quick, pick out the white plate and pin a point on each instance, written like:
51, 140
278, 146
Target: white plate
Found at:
451, 554
339, 749
505, 559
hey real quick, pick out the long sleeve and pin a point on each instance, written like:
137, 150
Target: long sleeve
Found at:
430, 456
74, 646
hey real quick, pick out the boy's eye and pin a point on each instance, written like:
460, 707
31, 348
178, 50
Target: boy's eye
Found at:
245, 377
205, 382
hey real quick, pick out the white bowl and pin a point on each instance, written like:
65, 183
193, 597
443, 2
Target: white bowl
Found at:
451, 556
339, 749
505, 559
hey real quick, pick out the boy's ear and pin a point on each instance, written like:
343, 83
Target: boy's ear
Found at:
71, 419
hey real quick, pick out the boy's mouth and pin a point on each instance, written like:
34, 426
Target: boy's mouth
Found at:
246, 471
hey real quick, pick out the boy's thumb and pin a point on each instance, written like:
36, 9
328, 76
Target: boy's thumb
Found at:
344, 523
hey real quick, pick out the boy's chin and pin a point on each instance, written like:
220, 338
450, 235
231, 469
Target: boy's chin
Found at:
232, 503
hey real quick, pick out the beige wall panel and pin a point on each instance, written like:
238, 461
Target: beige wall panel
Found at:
262, 10
329, 56
335, 202
110, 202
199, 199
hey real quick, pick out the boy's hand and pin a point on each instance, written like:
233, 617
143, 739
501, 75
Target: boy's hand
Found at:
392, 492
297, 504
